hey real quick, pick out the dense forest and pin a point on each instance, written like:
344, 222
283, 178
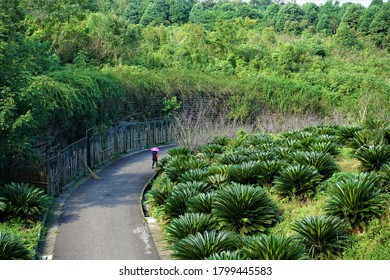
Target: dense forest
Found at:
67, 66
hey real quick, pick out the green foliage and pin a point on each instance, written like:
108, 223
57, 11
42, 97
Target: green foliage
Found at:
356, 199
199, 246
176, 202
244, 173
323, 162
161, 188
194, 175
372, 158
170, 106
272, 247
268, 170
227, 255
12, 248
201, 203
298, 181
244, 209
24, 200
323, 236
189, 223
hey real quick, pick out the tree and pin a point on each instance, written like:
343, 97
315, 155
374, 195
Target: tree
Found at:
179, 11
380, 26
352, 15
287, 14
346, 36
156, 13
328, 18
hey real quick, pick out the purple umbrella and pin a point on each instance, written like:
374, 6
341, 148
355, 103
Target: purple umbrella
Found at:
155, 149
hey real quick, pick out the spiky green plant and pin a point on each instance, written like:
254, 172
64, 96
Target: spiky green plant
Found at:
244, 173
227, 256
217, 180
273, 247
256, 140
372, 158
176, 203
199, 246
176, 166
325, 147
231, 159
2, 203
322, 236
262, 156
189, 223
357, 199
347, 133
365, 137
298, 181
159, 192
211, 149
268, 170
24, 200
12, 248
197, 163
179, 151
221, 140
200, 187
384, 173
201, 203
218, 169
244, 209
194, 175
323, 162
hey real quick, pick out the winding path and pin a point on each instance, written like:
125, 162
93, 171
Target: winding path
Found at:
103, 219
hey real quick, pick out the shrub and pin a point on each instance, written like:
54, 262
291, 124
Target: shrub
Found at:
179, 151
176, 203
199, 246
217, 180
243, 209
189, 223
231, 159
211, 149
372, 158
24, 200
273, 247
324, 163
297, 181
268, 170
357, 199
323, 236
227, 256
12, 248
161, 188
201, 203
244, 173
325, 147
194, 175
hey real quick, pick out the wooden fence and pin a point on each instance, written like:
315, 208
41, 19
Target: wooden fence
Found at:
96, 148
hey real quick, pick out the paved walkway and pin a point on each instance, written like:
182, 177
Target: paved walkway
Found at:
103, 219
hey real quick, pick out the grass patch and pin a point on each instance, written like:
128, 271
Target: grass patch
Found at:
346, 162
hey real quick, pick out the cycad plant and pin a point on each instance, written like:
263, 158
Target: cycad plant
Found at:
189, 223
179, 151
268, 170
201, 203
227, 256
217, 180
159, 192
384, 174
325, 147
322, 236
297, 180
176, 166
231, 159
357, 199
244, 209
211, 149
194, 175
372, 158
199, 246
12, 248
24, 200
323, 162
176, 203
244, 173
273, 247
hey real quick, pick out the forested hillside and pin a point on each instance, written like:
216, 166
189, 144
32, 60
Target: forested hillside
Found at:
69, 65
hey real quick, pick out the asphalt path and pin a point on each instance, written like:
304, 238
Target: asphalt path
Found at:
103, 219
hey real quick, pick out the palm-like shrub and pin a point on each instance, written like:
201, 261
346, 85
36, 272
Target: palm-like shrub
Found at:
227, 256
325, 147
323, 162
12, 248
2, 203
217, 180
199, 187
201, 203
243, 209
231, 159
211, 149
161, 188
347, 133
273, 247
176, 203
24, 200
365, 137
221, 140
196, 163
244, 173
297, 180
189, 223
257, 140
179, 151
372, 158
384, 174
199, 246
262, 156
268, 170
194, 175
357, 199
176, 167
323, 236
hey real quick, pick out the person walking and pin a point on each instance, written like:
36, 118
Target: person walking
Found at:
154, 156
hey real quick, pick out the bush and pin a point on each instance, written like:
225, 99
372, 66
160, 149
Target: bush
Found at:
201, 203
176, 203
244, 173
12, 248
189, 223
194, 175
24, 200
227, 256
243, 209
372, 158
323, 162
161, 188
297, 181
273, 247
323, 236
268, 170
357, 199
199, 246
